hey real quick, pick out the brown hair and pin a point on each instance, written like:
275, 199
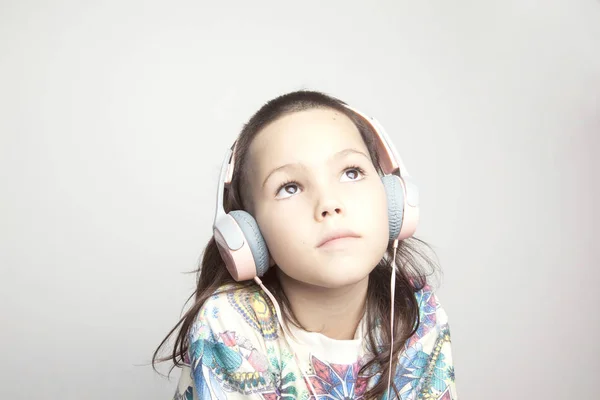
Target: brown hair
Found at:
413, 262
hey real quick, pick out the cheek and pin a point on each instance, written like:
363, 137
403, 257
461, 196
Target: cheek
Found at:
281, 230
370, 199
371, 211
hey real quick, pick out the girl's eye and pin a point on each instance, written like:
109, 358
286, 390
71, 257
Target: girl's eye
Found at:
287, 189
352, 174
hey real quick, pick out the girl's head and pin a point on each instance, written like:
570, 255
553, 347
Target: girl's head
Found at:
306, 170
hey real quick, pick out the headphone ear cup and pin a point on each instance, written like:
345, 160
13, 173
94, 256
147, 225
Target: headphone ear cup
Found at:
255, 241
395, 201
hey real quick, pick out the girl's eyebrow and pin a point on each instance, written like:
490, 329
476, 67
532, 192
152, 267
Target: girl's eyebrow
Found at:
339, 154
350, 151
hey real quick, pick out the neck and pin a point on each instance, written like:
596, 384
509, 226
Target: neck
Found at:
333, 312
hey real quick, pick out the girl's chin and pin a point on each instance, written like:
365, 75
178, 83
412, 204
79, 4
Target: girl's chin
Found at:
335, 280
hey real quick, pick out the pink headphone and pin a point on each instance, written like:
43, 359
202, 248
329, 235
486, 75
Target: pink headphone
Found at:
238, 236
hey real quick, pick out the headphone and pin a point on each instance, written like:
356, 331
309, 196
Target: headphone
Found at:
242, 245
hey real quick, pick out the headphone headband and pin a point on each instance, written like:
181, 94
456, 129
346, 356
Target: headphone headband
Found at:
228, 160
388, 156
389, 159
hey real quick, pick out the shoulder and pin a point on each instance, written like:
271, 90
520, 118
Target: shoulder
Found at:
432, 315
429, 305
242, 307
428, 353
228, 343
234, 308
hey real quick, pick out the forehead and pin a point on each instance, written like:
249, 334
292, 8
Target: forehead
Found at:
307, 137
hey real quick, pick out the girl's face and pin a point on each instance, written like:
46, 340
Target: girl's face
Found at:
313, 180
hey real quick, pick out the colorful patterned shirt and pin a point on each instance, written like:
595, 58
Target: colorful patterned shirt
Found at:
236, 352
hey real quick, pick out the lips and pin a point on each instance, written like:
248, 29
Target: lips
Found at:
338, 234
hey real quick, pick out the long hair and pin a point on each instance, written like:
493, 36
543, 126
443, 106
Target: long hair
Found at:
414, 263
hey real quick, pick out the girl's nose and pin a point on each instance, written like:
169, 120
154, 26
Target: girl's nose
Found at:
329, 208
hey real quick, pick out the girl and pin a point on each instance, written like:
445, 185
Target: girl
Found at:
312, 287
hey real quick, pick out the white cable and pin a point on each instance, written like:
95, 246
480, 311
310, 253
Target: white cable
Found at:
284, 331
392, 295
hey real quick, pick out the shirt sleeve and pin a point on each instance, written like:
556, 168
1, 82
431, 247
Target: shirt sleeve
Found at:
229, 356
185, 386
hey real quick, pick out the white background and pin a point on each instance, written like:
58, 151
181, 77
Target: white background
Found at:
114, 117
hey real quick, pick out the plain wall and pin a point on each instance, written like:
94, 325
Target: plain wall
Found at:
114, 117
